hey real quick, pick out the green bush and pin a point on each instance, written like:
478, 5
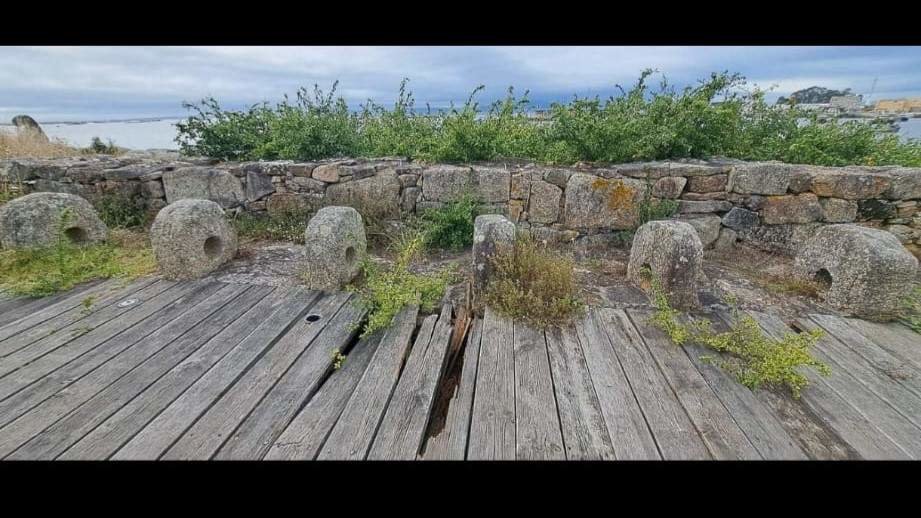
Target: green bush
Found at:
718, 117
451, 227
99, 147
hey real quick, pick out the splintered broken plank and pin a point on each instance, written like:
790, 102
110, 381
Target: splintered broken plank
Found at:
451, 443
403, 427
306, 433
267, 421
203, 439
351, 438
492, 423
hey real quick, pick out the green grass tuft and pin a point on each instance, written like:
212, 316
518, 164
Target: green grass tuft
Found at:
44, 271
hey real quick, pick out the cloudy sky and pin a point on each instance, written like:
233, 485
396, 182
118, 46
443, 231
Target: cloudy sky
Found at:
99, 83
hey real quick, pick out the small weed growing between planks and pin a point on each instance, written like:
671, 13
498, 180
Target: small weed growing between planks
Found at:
753, 358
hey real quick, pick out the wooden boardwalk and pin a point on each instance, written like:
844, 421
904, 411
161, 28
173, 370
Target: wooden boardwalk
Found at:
208, 370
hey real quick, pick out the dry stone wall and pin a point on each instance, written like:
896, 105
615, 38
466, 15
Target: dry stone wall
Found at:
770, 204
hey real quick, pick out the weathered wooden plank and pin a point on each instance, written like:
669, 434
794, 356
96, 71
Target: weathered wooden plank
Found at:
810, 431
255, 435
626, 426
451, 443
64, 322
218, 421
585, 433
675, 434
52, 409
899, 340
64, 336
63, 303
835, 409
307, 432
351, 438
14, 308
402, 429
878, 344
723, 437
172, 422
42, 366
30, 395
492, 423
58, 437
537, 432
263, 324
842, 358
413, 362
762, 427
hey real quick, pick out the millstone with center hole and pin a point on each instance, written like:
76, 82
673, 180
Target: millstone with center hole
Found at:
864, 271
44, 218
191, 238
334, 244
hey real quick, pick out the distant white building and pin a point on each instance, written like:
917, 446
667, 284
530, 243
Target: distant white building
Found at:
814, 106
847, 103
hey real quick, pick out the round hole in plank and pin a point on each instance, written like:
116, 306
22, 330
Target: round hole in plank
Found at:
312, 318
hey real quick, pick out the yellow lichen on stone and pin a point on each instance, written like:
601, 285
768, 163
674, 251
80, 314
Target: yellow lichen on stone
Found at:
620, 195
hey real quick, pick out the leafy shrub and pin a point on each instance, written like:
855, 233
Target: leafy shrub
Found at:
754, 358
43, 271
451, 227
120, 211
717, 117
388, 289
100, 148
533, 283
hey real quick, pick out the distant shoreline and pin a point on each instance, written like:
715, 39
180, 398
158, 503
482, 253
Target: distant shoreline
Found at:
107, 121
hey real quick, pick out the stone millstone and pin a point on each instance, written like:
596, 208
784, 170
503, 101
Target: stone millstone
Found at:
334, 244
674, 253
191, 238
490, 232
37, 220
867, 271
